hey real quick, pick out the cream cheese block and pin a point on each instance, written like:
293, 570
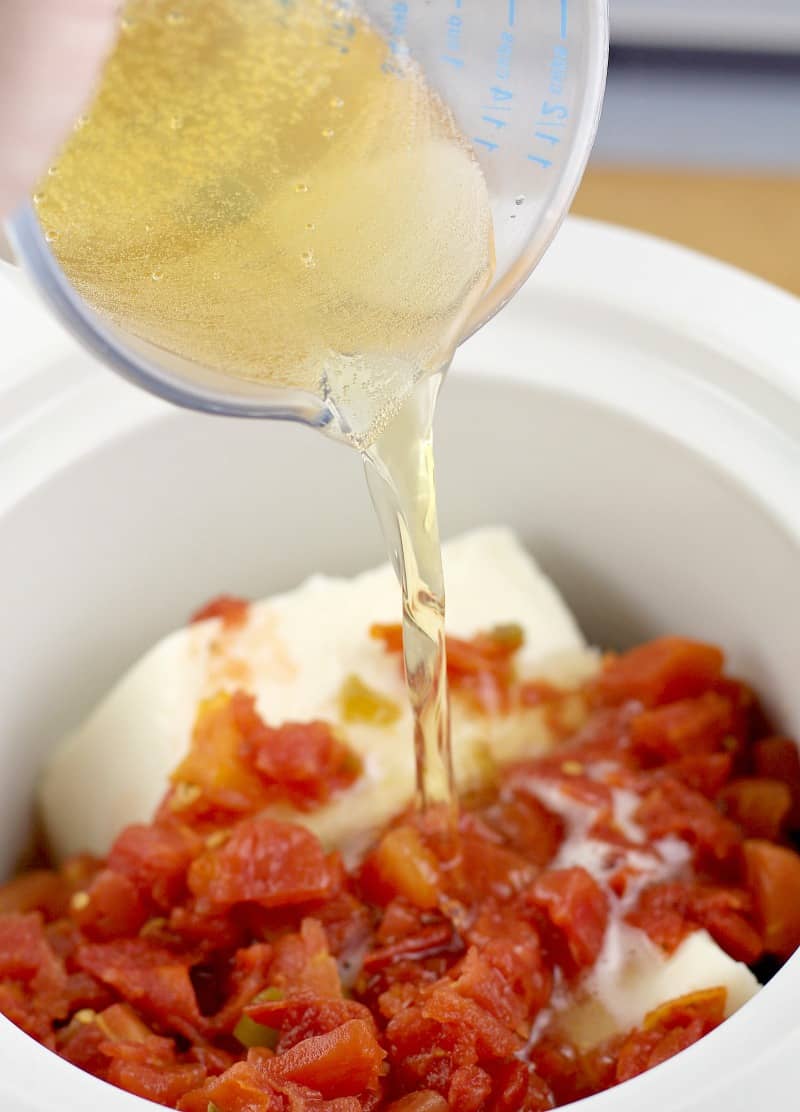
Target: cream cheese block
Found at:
294, 652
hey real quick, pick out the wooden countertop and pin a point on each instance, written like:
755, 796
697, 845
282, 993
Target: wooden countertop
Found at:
750, 221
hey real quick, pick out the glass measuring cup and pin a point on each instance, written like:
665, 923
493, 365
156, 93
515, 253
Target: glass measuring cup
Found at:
524, 79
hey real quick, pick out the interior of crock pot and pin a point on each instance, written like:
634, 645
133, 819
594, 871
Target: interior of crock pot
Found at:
642, 535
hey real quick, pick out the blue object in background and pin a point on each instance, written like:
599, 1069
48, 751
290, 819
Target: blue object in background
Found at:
711, 84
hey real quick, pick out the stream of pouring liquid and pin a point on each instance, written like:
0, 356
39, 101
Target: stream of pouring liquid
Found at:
401, 477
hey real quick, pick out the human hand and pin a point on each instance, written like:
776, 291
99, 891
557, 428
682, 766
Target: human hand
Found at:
51, 52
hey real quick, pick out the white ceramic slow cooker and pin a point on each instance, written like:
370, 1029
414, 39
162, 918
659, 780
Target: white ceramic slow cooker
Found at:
634, 414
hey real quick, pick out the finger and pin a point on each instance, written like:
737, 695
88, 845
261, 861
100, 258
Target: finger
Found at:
51, 52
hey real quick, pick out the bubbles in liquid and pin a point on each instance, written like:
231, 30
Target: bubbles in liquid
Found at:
175, 18
244, 193
81, 123
127, 24
52, 171
38, 198
51, 236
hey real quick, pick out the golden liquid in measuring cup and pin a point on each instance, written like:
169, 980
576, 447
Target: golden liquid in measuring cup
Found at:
261, 188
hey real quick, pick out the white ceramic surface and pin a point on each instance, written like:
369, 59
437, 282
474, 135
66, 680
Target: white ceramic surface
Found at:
634, 413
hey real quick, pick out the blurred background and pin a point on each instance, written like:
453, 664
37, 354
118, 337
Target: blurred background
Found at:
700, 136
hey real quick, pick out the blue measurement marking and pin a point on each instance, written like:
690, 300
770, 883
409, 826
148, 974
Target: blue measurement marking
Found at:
512, 12
564, 18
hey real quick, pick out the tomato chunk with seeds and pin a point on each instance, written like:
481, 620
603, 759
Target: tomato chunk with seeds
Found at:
112, 908
303, 763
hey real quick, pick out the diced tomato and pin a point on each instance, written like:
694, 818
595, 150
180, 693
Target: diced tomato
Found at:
481, 667
659, 672
513, 947
507, 979
469, 1088
492, 871
402, 866
297, 1018
424, 1101
302, 763
303, 965
577, 907
706, 773
518, 1088
27, 960
535, 693
152, 979
213, 776
162, 1085
264, 862
681, 729
669, 912
778, 758
390, 635
84, 991
79, 1042
672, 1027
39, 890
246, 979
707, 1005
345, 1062
773, 878
433, 939
232, 610
759, 806
470, 1023
112, 908
643, 1050
156, 859
529, 827
672, 808
242, 1088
